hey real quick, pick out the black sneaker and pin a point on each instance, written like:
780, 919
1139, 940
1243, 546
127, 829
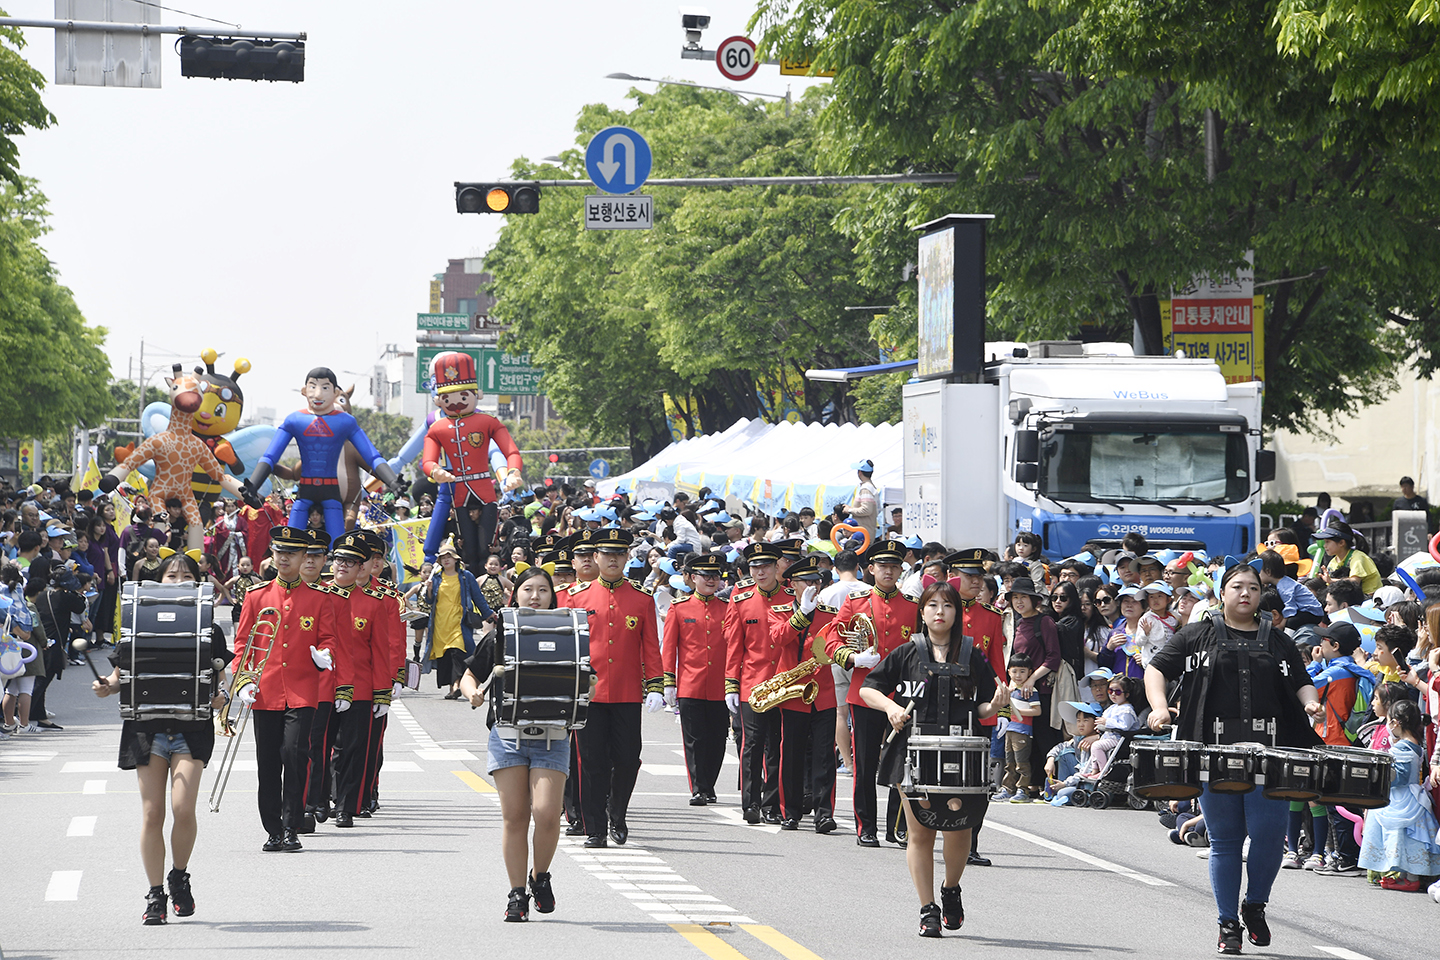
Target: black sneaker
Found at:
1340, 867
930, 920
952, 910
156, 906
518, 909
180, 895
1229, 937
540, 889
1256, 929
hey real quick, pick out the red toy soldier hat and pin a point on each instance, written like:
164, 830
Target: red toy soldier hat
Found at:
455, 371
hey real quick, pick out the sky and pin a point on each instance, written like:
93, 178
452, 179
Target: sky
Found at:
299, 225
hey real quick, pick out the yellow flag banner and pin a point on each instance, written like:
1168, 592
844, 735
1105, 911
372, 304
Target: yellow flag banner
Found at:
407, 546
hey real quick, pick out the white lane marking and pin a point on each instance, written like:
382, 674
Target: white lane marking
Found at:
94, 786
64, 885
88, 766
1341, 952
1080, 855
425, 746
642, 878
663, 769
27, 756
81, 827
737, 818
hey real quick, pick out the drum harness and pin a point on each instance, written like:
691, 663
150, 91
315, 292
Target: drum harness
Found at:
1245, 727
945, 674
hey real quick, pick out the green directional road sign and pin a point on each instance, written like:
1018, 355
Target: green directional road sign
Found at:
508, 373
499, 372
455, 322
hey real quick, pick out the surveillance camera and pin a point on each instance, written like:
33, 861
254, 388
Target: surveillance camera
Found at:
694, 18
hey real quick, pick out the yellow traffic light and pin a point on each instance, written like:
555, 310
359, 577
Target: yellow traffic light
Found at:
497, 199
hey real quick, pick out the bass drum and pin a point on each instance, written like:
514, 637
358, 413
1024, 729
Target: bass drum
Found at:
545, 689
1165, 769
164, 651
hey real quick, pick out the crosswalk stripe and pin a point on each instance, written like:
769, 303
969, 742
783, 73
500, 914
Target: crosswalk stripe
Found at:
64, 885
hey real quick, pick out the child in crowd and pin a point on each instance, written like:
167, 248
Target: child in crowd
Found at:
1122, 653
1401, 837
1019, 732
1028, 551
1345, 689
1069, 761
1393, 643
1157, 623
1118, 718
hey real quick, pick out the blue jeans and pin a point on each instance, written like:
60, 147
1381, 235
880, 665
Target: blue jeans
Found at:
502, 753
163, 746
1229, 818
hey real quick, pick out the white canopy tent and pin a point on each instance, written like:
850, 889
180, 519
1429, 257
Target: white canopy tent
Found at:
774, 465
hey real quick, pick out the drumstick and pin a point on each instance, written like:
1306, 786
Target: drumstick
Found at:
497, 672
80, 646
894, 730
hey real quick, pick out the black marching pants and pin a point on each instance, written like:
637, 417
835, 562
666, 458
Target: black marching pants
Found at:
759, 759
282, 756
353, 763
868, 731
609, 763
704, 727
475, 537
323, 727
812, 730
374, 757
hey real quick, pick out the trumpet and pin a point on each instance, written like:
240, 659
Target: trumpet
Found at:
250, 666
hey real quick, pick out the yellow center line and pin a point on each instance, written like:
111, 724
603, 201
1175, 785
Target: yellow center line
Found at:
711, 945
778, 942
474, 781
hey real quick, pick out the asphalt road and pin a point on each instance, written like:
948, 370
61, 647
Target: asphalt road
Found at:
424, 877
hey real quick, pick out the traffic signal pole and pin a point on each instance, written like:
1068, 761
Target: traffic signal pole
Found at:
818, 181
104, 26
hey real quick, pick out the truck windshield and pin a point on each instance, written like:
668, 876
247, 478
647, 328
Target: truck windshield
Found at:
1115, 462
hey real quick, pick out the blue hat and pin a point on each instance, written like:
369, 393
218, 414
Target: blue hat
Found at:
677, 583
1159, 586
720, 516
1085, 557
865, 466
1100, 673
1094, 709
1129, 592
668, 565
1167, 557
914, 543
605, 513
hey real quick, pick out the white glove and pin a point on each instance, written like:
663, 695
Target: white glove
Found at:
654, 703
322, 658
865, 659
248, 693
670, 696
341, 706
381, 709
808, 599
395, 689
732, 701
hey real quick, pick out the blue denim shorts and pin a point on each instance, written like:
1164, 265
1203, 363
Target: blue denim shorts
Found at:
165, 745
502, 753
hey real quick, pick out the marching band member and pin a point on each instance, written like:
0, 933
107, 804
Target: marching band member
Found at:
694, 655
1239, 677
751, 657
806, 727
582, 560
371, 580
984, 624
625, 654
283, 702
894, 616
325, 722
364, 622
974, 694
177, 750
529, 774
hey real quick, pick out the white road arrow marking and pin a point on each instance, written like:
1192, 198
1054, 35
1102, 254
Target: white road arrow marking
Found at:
610, 166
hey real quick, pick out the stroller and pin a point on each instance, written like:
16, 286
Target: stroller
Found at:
1112, 785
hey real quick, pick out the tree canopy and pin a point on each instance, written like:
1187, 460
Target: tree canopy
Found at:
20, 106
721, 307
1082, 125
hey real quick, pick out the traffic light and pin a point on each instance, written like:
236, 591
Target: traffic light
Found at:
497, 197
222, 58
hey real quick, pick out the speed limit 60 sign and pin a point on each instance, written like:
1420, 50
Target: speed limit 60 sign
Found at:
736, 58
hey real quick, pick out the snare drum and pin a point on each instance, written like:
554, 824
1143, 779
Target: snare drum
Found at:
545, 689
1233, 767
941, 764
1355, 777
1165, 769
1291, 774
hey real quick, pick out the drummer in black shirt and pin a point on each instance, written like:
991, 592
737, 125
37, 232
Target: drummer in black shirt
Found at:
1243, 682
169, 750
904, 675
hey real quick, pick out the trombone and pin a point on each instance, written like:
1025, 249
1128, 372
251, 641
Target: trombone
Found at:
249, 667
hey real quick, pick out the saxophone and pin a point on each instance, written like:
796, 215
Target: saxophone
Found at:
786, 685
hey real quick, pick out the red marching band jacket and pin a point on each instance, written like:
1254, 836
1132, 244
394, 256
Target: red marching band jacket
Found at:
307, 618
624, 642
694, 647
894, 615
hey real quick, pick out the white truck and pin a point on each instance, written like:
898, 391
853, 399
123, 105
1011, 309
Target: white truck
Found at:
1081, 444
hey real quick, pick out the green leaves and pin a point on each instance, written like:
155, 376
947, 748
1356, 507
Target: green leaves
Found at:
20, 106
